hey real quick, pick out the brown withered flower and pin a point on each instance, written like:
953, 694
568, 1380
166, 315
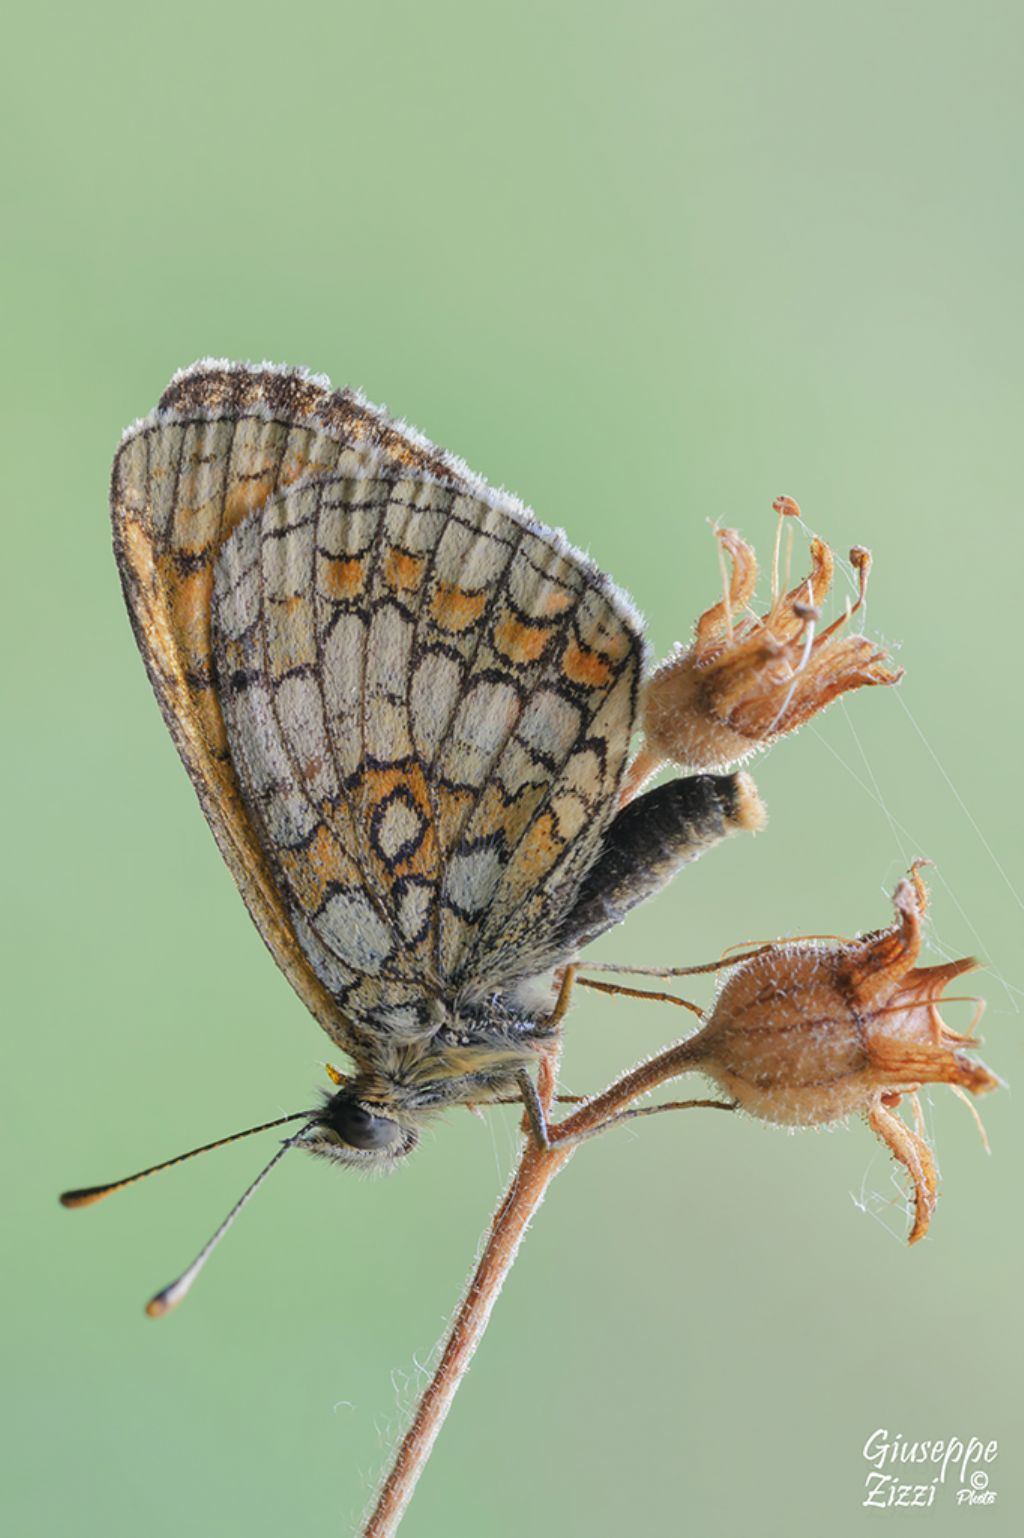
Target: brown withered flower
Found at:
805, 1032
745, 681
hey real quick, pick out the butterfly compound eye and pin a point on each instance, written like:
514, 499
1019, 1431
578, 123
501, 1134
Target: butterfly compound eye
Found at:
358, 1127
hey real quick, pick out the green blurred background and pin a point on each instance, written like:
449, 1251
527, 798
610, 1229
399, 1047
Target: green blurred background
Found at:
649, 265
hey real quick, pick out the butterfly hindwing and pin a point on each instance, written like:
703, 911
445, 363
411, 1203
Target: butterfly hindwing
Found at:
429, 699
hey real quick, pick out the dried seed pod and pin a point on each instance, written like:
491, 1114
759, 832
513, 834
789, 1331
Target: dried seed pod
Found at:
745, 681
803, 1033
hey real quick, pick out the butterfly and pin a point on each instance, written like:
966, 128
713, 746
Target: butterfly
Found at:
407, 708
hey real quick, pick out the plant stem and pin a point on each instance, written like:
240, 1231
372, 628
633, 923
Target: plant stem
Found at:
537, 1168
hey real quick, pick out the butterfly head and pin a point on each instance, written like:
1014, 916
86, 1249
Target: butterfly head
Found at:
358, 1132
373, 1119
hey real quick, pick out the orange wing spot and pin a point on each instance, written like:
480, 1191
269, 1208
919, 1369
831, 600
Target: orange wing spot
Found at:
377, 784
195, 529
519, 642
556, 601
208, 713
296, 465
402, 571
453, 807
454, 609
243, 498
582, 666
187, 618
511, 818
539, 849
311, 870
189, 600
343, 579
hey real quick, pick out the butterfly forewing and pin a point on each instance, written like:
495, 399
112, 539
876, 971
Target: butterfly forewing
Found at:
223, 439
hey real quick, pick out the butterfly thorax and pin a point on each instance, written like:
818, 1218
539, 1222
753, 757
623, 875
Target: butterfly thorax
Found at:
473, 1055
469, 1048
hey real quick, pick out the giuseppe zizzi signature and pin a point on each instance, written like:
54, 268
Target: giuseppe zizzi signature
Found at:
906, 1473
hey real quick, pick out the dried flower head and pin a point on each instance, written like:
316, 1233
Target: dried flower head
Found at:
746, 680
805, 1032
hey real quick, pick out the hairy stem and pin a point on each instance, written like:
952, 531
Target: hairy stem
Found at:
537, 1168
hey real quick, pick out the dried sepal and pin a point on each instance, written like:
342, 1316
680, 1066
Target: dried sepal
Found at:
746, 680
805, 1032
908, 1146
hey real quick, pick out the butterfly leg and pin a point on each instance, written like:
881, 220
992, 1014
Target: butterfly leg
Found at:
535, 1113
547, 1136
561, 1007
647, 1110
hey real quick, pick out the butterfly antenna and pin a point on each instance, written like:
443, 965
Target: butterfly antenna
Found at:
170, 1296
89, 1194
